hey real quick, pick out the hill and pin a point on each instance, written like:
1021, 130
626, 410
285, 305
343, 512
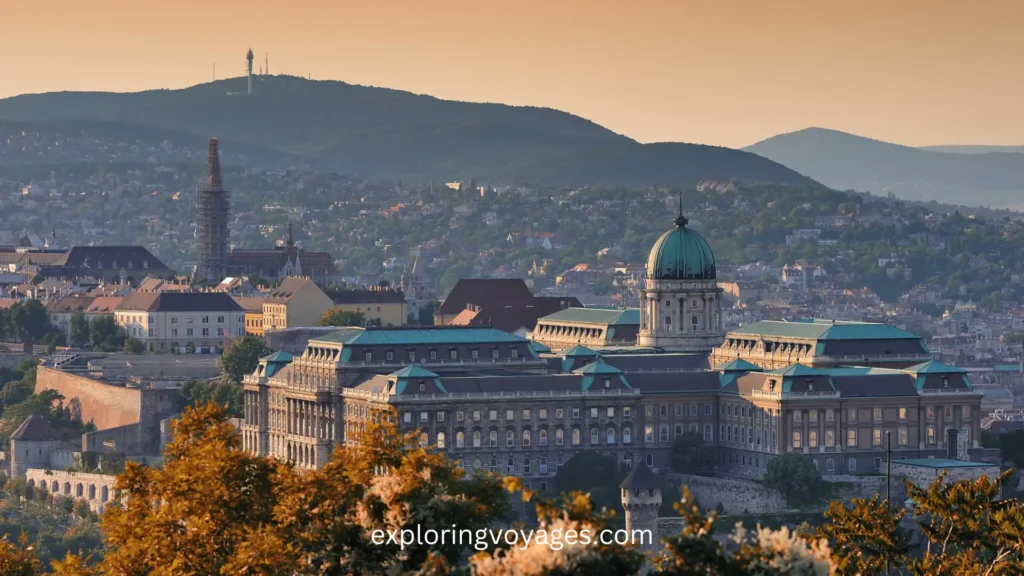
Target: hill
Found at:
378, 132
976, 149
845, 161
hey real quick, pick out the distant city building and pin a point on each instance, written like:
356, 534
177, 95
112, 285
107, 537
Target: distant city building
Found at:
282, 262
416, 287
506, 304
214, 210
181, 321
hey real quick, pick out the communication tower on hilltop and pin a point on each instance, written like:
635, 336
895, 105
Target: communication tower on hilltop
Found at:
214, 203
248, 60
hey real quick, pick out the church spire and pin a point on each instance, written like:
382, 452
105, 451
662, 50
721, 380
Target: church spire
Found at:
291, 238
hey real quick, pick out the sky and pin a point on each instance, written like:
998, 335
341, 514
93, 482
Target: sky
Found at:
722, 72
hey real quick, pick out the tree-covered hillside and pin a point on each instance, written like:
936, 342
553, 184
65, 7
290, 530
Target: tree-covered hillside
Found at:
377, 132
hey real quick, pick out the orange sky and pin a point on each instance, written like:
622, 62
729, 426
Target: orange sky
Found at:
727, 72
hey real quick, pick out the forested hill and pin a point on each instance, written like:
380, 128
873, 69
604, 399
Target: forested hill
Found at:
378, 132
846, 161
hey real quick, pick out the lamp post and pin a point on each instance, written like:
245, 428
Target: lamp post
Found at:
888, 468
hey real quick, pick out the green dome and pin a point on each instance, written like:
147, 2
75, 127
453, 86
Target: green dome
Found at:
681, 254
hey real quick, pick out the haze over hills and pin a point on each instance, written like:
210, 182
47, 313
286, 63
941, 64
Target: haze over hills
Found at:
845, 161
378, 132
973, 149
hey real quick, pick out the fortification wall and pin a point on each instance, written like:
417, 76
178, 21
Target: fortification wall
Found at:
735, 496
127, 439
104, 405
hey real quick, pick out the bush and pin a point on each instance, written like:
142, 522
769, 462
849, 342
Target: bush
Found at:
795, 476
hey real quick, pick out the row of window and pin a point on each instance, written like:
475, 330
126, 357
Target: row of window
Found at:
663, 410
876, 437
527, 438
453, 354
876, 414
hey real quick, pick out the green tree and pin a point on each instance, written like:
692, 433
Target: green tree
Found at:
691, 454
795, 476
1011, 447
82, 509
133, 346
78, 327
241, 357
222, 392
338, 317
27, 320
105, 334
598, 474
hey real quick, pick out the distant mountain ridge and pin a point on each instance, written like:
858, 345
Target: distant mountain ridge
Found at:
378, 132
973, 149
846, 161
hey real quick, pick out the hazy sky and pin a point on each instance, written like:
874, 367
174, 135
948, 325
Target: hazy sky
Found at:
726, 72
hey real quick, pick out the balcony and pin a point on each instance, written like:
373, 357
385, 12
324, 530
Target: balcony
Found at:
778, 395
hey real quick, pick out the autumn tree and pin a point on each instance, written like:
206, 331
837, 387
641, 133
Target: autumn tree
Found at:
866, 537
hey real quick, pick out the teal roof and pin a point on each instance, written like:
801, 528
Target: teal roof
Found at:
630, 316
740, 365
579, 350
798, 371
413, 372
825, 330
1007, 368
934, 367
424, 336
279, 356
681, 254
942, 463
598, 367
538, 347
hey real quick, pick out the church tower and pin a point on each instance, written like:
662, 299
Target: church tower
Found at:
680, 302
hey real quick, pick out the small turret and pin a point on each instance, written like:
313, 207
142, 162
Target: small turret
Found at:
641, 499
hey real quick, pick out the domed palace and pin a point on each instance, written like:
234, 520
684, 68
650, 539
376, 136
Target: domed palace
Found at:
680, 302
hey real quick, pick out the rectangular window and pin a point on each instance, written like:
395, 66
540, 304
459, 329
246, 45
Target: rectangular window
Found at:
433, 354
474, 353
931, 434
930, 413
947, 413
796, 439
559, 413
812, 415
851, 415
593, 412
174, 332
440, 416
188, 332
965, 412
708, 433
576, 413
903, 413
679, 430
526, 414
649, 433
206, 331
492, 415
510, 414
220, 319
494, 353
830, 416
663, 433
424, 417
626, 411
407, 417
830, 438
649, 411
901, 436
542, 414
851, 438
707, 409
476, 415
679, 409
459, 416
876, 414
876, 437
206, 319
610, 412
693, 409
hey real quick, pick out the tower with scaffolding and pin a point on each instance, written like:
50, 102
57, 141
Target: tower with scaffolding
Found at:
214, 207
248, 61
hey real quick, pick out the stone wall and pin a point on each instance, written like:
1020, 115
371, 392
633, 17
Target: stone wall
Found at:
105, 405
735, 496
923, 476
127, 439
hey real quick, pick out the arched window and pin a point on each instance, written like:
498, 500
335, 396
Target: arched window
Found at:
476, 464
627, 435
559, 437
812, 438
650, 460
575, 436
493, 437
668, 322
543, 465
628, 461
424, 439
610, 435
542, 437
526, 437
510, 438
460, 440
796, 439
511, 466
440, 439
526, 465
494, 464
593, 436
694, 323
